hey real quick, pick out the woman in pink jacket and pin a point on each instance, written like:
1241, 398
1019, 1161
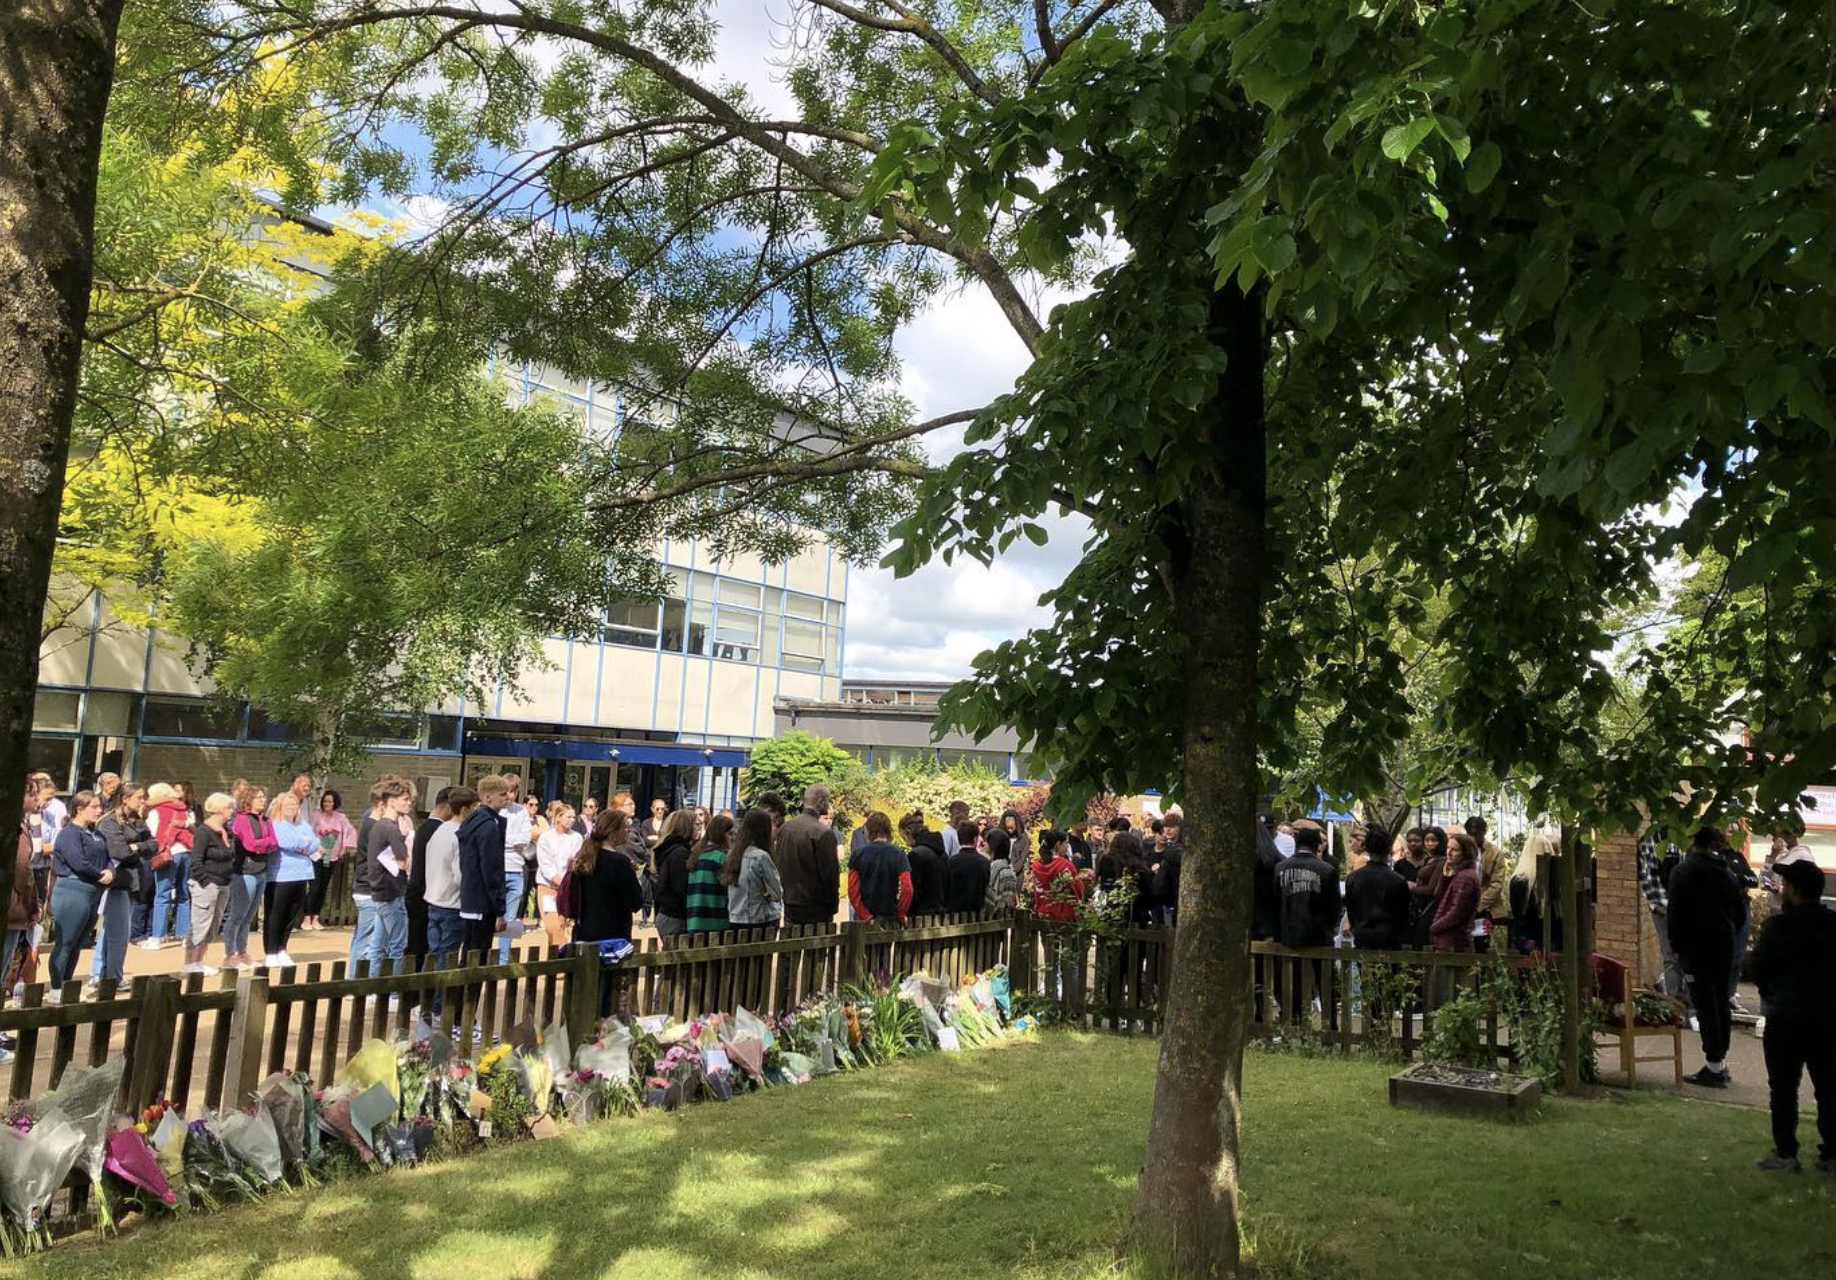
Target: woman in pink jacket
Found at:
255, 844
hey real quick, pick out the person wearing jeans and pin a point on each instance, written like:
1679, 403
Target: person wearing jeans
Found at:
387, 856
255, 846
517, 832
79, 861
131, 847
1657, 901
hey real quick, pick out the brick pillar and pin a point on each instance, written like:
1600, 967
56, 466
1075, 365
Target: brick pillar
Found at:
1622, 925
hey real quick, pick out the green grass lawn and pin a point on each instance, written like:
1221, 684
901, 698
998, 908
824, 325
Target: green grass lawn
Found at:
1020, 1162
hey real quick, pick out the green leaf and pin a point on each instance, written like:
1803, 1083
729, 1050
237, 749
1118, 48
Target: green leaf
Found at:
1400, 141
1482, 166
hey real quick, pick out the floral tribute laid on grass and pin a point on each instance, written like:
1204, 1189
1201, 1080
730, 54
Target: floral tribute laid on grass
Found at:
417, 1100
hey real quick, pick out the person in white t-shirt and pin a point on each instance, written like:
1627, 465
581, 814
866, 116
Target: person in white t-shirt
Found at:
555, 851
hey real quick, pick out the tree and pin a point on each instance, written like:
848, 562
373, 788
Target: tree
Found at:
792, 762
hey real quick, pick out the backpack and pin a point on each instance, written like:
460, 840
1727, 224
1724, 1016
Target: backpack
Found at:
567, 896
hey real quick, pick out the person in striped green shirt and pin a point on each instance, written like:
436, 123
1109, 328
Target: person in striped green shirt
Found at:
707, 892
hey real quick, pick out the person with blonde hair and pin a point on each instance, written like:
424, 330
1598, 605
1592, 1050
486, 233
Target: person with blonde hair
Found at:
606, 891
173, 826
213, 867
555, 850
290, 878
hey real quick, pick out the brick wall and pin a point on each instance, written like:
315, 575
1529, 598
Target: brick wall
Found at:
1622, 925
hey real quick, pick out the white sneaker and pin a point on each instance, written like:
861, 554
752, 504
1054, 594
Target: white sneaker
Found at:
90, 988
271, 961
151, 944
186, 970
209, 970
54, 997
280, 960
1759, 1028
6, 1055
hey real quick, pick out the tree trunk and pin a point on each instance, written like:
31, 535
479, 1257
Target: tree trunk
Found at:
57, 63
1185, 1220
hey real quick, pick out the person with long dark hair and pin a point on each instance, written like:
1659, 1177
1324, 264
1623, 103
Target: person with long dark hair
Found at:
131, 847
674, 854
605, 890
255, 845
755, 894
1427, 882
1456, 897
707, 893
80, 863
930, 866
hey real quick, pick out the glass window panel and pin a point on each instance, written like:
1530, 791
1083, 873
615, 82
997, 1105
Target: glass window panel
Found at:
802, 638
191, 718
744, 593
56, 709
774, 604
262, 729
832, 647
628, 638
638, 614
443, 733
736, 635
675, 625
835, 613
701, 629
803, 606
110, 711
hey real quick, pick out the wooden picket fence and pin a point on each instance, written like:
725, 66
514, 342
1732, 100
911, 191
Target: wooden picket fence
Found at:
1381, 1000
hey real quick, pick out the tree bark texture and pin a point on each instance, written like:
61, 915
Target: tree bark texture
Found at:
57, 62
1186, 1206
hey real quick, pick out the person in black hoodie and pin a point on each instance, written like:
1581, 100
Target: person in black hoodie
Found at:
1265, 913
417, 872
1794, 964
1706, 909
1309, 911
1377, 898
930, 866
675, 851
1172, 858
130, 845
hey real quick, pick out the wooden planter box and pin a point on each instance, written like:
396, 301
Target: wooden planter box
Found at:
1465, 1091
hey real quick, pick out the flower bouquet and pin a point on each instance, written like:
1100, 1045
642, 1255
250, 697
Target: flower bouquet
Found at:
414, 1071
608, 1054
675, 1079
288, 1098
212, 1174
35, 1158
717, 1074
588, 1095
85, 1100
503, 1081
250, 1137
131, 1159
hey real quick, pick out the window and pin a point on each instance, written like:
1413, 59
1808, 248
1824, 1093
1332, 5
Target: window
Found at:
262, 729
729, 591
191, 718
632, 623
56, 709
675, 624
803, 645
443, 733
797, 606
735, 634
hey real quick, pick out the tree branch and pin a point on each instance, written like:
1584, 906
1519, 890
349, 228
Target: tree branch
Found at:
915, 24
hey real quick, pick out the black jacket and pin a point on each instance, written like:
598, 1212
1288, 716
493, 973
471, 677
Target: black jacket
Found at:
1166, 880
671, 891
481, 865
1794, 963
128, 841
1309, 901
966, 886
1377, 903
809, 865
930, 871
386, 837
213, 858
417, 866
607, 898
1265, 906
1706, 908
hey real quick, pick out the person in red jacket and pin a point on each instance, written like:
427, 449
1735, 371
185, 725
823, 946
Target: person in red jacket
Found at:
1057, 886
1456, 899
880, 875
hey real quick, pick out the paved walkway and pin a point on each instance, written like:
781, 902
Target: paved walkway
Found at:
1746, 1061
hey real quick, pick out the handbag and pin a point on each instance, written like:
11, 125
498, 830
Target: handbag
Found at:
567, 897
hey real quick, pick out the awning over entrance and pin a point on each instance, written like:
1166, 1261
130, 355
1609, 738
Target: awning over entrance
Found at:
623, 752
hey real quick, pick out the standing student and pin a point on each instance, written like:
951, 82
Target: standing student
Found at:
1494, 885
481, 866
606, 891
930, 865
1309, 914
131, 847
81, 866
952, 841
289, 877
1376, 898
1003, 878
555, 851
755, 894
388, 872
365, 931
1707, 906
1427, 881
1456, 898
213, 867
809, 861
518, 832
968, 874
416, 897
1172, 860
1748, 880
880, 875
255, 845
1794, 964
22, 908
1057, 886
673, 857
337, 838
436, 863
707, 891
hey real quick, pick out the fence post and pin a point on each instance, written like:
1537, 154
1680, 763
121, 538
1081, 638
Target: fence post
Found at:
583, 993
1020, 954
854, 954
153, 1043
248, 1032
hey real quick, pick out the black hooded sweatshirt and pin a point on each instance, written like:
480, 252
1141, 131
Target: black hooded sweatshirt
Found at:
930, 873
